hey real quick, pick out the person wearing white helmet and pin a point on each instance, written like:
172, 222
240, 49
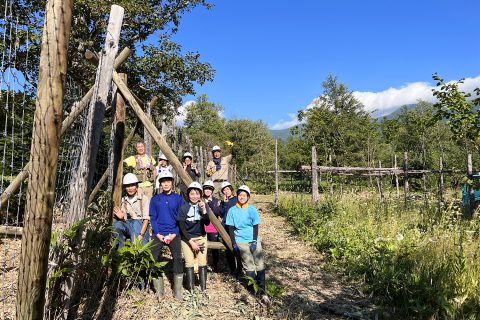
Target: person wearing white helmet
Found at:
132, 217
142, 165
243, 221
191, 169
162, 166
163, 216
217, 168
212, 233
192, 218
229, 200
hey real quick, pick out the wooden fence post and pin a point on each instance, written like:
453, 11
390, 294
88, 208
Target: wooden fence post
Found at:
380, 183
471, 191
396, 179
405, 177
80, 188
276, 174
442, 190
32, 274
315, 196
116, 157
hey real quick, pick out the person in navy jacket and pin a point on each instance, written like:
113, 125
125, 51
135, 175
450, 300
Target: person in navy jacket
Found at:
163, 218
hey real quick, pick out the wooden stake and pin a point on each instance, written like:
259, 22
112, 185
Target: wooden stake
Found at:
116, 156
442, 190
380, 184
471, 191
165, 148
315, 195
396, 179
276, 174
32, 275
80, 188
405, 178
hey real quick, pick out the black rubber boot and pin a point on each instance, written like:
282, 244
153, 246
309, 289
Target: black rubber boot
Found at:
202, 273
190, 279
158, 286
261, 280
177, 285
253, 276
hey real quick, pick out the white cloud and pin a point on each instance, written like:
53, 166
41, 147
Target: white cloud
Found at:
285, 124
388, 100
182, 112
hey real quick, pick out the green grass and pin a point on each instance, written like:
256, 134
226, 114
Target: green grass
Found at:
423, 262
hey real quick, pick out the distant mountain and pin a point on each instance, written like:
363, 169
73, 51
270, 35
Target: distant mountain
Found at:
284, 134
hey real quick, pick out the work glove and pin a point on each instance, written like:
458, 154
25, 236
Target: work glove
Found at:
236, 248
253, 246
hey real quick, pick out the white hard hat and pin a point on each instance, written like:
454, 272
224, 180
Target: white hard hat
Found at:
161, 156
243, 188
195, 185
130, 178
226, 184
165, 175
209, 184
216, 148
187, 154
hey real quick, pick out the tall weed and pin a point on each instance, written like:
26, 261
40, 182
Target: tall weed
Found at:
423, 262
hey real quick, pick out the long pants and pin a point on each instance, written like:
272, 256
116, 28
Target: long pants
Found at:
251, 261
175, 249
190, 255
129, 229
146, 191
213, 237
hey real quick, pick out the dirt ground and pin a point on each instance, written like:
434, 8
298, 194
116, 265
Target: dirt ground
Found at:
310, 292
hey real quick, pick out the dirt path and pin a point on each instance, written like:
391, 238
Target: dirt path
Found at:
310, 293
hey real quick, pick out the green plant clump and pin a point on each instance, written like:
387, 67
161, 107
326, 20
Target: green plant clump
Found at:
423, 263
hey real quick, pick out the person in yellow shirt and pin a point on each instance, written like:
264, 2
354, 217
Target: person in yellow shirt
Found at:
142, 165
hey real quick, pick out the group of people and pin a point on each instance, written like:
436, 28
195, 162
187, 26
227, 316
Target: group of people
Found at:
181, 221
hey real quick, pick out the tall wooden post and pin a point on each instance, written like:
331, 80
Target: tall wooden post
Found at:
276, 174
380, 183
314, 175
471, 191
441, 190
405, 177
80, 189
32, 274
118, 133
201, 165
396, 179
146, 136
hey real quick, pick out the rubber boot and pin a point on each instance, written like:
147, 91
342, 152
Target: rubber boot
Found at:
253, 276
261, 280
190, 279
238, 269
202, 273
177, 285
158, 286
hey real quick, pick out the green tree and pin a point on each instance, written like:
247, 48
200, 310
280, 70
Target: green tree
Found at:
460, 109
338, 125
158, 66
204, 122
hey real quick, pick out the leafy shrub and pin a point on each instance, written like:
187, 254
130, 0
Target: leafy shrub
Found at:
422, 262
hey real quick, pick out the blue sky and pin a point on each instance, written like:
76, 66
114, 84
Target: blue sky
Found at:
271, 57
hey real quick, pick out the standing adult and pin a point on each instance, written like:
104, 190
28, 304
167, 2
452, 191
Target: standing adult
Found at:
192, 218
191, 169
217, 168
132, 216
142, 166
243, 221
163, 217
229, 200
212, 233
